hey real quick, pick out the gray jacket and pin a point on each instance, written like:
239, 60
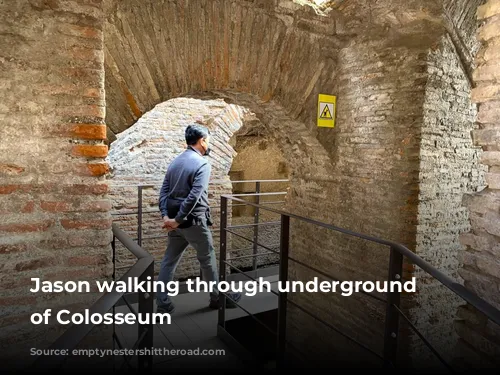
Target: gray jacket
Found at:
184, 193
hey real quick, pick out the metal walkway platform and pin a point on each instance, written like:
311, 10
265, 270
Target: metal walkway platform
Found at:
194, 327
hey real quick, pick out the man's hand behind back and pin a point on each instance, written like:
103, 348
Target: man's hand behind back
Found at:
169, 224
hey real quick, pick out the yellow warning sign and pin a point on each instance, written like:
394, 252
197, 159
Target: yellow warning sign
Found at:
326, 110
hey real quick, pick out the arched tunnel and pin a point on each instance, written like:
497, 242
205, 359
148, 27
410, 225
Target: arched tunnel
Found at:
96, 98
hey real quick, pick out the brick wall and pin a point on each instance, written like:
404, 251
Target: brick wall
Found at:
479, 337
449, 167
259, 158
54, 214
372, 189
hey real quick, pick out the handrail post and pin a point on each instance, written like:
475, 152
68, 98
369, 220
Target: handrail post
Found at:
113, 247
283, 279
222, 262
139, 215
146, 307
256, 227
391, 335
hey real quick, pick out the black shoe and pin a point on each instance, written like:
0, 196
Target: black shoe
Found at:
229, 301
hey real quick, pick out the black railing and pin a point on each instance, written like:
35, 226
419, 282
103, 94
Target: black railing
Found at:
142, 269
140, 212
393, 311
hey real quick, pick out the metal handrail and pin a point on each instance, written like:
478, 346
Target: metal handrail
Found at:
259, 194
213, 182
393, 312
211, 207
489, 310
140, 212
76, 333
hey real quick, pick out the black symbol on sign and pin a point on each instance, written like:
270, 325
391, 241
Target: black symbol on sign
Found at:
326, 113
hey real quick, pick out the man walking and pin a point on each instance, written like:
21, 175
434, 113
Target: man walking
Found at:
185, 211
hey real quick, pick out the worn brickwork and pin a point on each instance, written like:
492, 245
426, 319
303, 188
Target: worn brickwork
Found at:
259, 158
449, 167
374, 145
55, 221
479, 337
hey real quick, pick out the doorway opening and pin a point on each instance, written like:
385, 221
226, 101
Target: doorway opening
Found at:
242, 149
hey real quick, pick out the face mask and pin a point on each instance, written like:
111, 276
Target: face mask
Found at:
207, 150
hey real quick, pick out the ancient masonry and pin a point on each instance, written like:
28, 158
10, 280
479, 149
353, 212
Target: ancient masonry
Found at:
55, 222
396, 166
481, 266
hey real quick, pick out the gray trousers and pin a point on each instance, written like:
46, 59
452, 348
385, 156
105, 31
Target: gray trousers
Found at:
200, 238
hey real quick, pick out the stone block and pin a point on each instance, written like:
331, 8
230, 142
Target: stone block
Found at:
482, 202
484, 243
484, 286
489, 222
493, 180
490, 30
486, 137
485, 93
491, 51
491, 158
489, 112
468, 258
490, 9
488, 72
488, 265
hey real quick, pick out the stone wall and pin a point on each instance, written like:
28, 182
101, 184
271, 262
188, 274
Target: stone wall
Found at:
55, 221
372, 189
479, 337
449, 167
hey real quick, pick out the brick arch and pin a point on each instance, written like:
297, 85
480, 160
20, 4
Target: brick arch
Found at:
293, 140
155, 51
